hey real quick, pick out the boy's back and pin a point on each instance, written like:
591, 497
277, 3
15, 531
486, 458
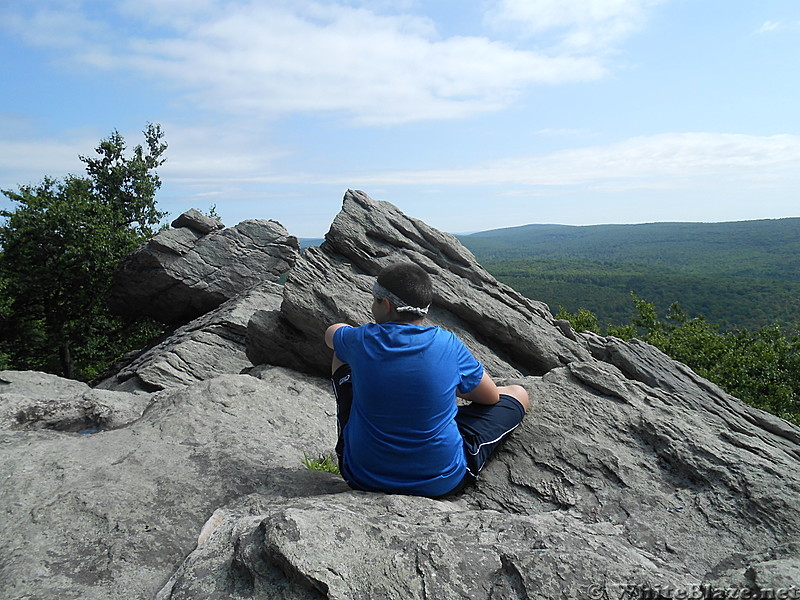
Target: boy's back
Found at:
401, 434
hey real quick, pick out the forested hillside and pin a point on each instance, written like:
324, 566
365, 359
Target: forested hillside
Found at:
739, 274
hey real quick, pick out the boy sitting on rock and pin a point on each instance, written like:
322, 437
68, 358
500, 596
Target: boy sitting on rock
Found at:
396, 382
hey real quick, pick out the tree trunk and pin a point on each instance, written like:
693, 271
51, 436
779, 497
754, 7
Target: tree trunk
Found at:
66, 360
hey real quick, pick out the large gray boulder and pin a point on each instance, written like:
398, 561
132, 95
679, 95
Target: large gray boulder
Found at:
610, 486
185, 272
619, 432
356, 546
631, 476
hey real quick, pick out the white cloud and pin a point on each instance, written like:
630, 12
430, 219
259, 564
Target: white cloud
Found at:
580, 24
377, 69
672, 160
272, 58
220, 157
705, 176
565, 132
28, 161
768, 26
200, 154
220, 153
57, 26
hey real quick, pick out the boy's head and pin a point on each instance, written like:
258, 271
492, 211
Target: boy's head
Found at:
408, 288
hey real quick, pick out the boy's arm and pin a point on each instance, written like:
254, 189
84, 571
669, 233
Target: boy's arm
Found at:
330, 331
484, 393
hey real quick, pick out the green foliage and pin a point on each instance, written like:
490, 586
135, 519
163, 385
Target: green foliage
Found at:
128, 186
321, 462
5, 313
60, 247
583, 320
732, 302
746, 249
744, 277
760, 367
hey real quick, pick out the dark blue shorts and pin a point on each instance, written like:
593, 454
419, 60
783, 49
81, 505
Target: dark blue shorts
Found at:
483, 426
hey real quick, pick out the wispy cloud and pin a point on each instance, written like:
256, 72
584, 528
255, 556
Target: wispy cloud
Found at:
56, 26
578, 25
28, 161
245, 174
658, 162
564, 132
217, 155
768, 26
217, 158
273, 58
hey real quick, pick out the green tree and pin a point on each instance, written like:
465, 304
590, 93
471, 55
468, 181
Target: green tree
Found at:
60, 247
129, 186
5, 312
583, 320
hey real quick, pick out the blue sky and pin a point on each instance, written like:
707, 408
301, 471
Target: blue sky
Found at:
467, 115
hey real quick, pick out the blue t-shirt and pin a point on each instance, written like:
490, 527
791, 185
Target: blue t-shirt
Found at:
401, 436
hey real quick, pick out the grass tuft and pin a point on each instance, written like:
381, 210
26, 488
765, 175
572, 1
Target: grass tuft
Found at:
321, 462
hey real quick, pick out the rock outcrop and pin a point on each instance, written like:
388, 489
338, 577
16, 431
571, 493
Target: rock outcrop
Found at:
630, 474
113, 514
183, 273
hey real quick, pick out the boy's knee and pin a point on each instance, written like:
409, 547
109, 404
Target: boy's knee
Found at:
519, 393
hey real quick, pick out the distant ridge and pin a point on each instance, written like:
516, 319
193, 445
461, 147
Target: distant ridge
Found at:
307, 242
738, 274
767, 247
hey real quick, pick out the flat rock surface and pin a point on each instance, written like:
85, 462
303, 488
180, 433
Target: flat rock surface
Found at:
30, 400
112, 515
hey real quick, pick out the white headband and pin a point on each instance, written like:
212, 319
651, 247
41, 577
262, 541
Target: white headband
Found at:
399, 305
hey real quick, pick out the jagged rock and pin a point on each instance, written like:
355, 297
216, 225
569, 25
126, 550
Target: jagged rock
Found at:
762, 575
688, 485
374, 234
360, 546
608, 483
211, 345
319, 291
197, 221
619, 431
510, 333
30, 400
184, 273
